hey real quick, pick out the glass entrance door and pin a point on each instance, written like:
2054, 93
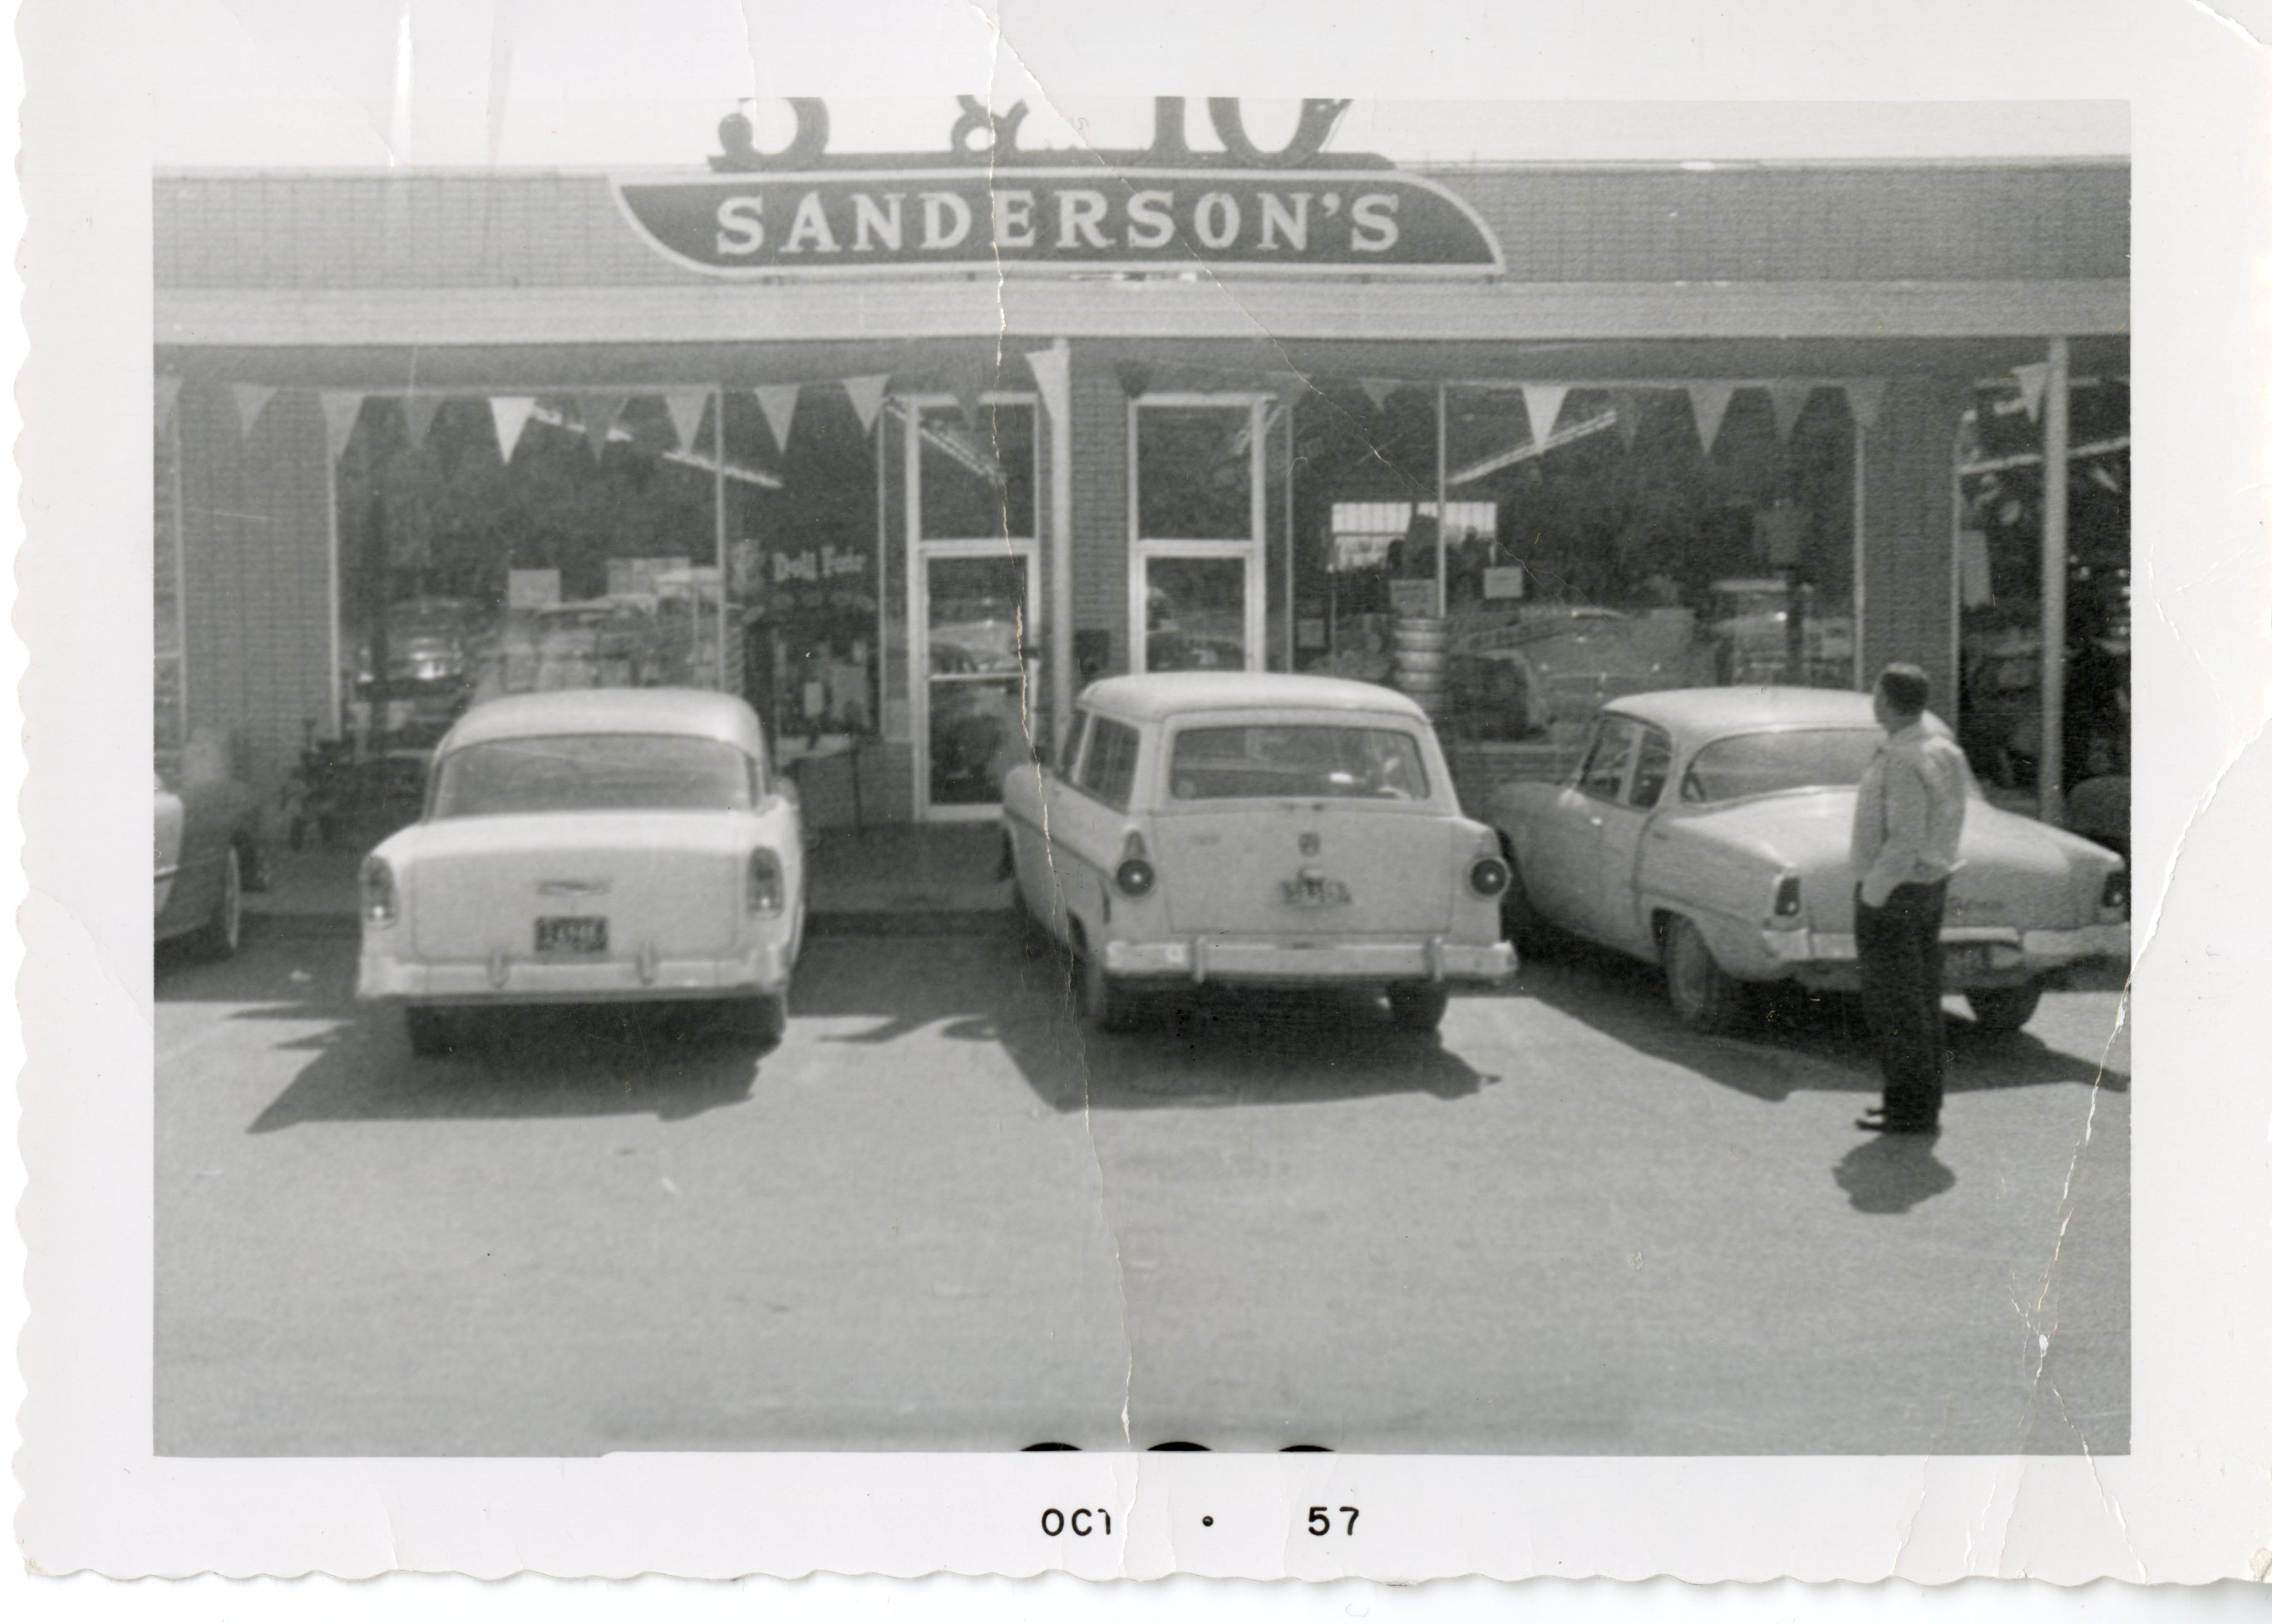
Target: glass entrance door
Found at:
976, 620
1196, 514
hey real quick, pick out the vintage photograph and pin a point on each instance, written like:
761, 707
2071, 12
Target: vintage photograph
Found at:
1172, 774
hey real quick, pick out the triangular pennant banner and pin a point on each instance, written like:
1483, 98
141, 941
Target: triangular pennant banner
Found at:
778, 402
1544, 402
510, 412
1051, 377
341, 407
251, 400
1378, 389
686, 406
2032, 379
418, 414
169, 389
1709, 402
1789, 401
600, 412
1864, 397
867, 397
1628, 406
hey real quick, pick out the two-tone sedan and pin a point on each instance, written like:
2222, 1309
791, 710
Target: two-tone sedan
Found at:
1709, 830
607, 846
1256, 829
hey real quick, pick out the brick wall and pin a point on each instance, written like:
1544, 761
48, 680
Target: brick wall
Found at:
1099, 499
1909, 550
255, 545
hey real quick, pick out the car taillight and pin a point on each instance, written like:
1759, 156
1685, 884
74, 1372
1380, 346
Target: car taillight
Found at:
2114, 896
378, 904
766, 893
1488, 877
1786, 898
1135, 877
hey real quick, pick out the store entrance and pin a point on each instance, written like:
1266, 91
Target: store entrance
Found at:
974, 601
974, 618
1196, 590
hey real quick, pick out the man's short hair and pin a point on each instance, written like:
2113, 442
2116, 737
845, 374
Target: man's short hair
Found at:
1906, 689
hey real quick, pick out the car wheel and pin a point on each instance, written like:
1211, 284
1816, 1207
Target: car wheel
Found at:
1106, 1003
1418, 1008
221, 933
2002, 1010
1518, 917
760, 1018
433, 1032
1706, 997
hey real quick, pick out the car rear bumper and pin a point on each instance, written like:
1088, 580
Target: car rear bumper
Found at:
1970, 958
503, 979
1245, 960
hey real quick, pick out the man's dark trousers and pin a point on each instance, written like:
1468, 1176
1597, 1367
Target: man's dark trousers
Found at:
1899, 946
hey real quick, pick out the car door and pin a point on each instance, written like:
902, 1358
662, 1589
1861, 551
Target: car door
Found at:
1564, 876
1036, 826
1622, 824
1088, 816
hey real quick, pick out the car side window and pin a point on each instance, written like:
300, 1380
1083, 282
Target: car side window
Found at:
1108, 767
1650, 770
1069, 756
1603, 775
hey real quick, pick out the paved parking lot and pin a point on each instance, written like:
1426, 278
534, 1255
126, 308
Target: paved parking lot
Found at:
940, 1216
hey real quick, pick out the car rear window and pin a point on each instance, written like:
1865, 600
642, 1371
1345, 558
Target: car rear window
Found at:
1763, 764
1301, 762
594, 773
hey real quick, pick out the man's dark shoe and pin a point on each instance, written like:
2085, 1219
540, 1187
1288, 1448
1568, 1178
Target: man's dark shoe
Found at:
1879, 1124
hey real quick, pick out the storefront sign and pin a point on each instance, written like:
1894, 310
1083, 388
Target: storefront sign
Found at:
1503, 581
1040, 220
984, 204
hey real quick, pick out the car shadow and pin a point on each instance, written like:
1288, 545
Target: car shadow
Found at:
671, 1062
1207, 1046
1795, 1040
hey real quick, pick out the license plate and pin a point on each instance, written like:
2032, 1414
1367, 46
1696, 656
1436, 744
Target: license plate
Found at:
583, 934
1313, 890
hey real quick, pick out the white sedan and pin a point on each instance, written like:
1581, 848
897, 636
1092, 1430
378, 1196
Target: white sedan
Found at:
603, 845
1708, 831
1245, 828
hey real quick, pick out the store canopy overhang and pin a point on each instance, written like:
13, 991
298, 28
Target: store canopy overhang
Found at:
959, 365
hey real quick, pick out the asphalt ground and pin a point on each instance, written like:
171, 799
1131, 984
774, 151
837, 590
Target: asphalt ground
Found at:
939, 1216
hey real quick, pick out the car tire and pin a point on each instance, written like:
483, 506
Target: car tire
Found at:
2002, 1010
1706, 997
1106, 1003
760, 1018
1519, 920
433, 1032
223, 931
1419, 1006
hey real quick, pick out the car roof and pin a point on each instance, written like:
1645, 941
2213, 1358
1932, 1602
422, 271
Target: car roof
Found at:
1158, 694
1697, 714
688, 713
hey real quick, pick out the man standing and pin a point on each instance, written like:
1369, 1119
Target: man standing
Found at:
1909, 817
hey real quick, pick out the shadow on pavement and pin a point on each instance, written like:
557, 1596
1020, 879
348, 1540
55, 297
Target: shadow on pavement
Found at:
1795, 1040
1210, 1047
669, 1063
1891, 1174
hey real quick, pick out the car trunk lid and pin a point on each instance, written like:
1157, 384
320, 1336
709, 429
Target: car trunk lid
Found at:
665, 882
